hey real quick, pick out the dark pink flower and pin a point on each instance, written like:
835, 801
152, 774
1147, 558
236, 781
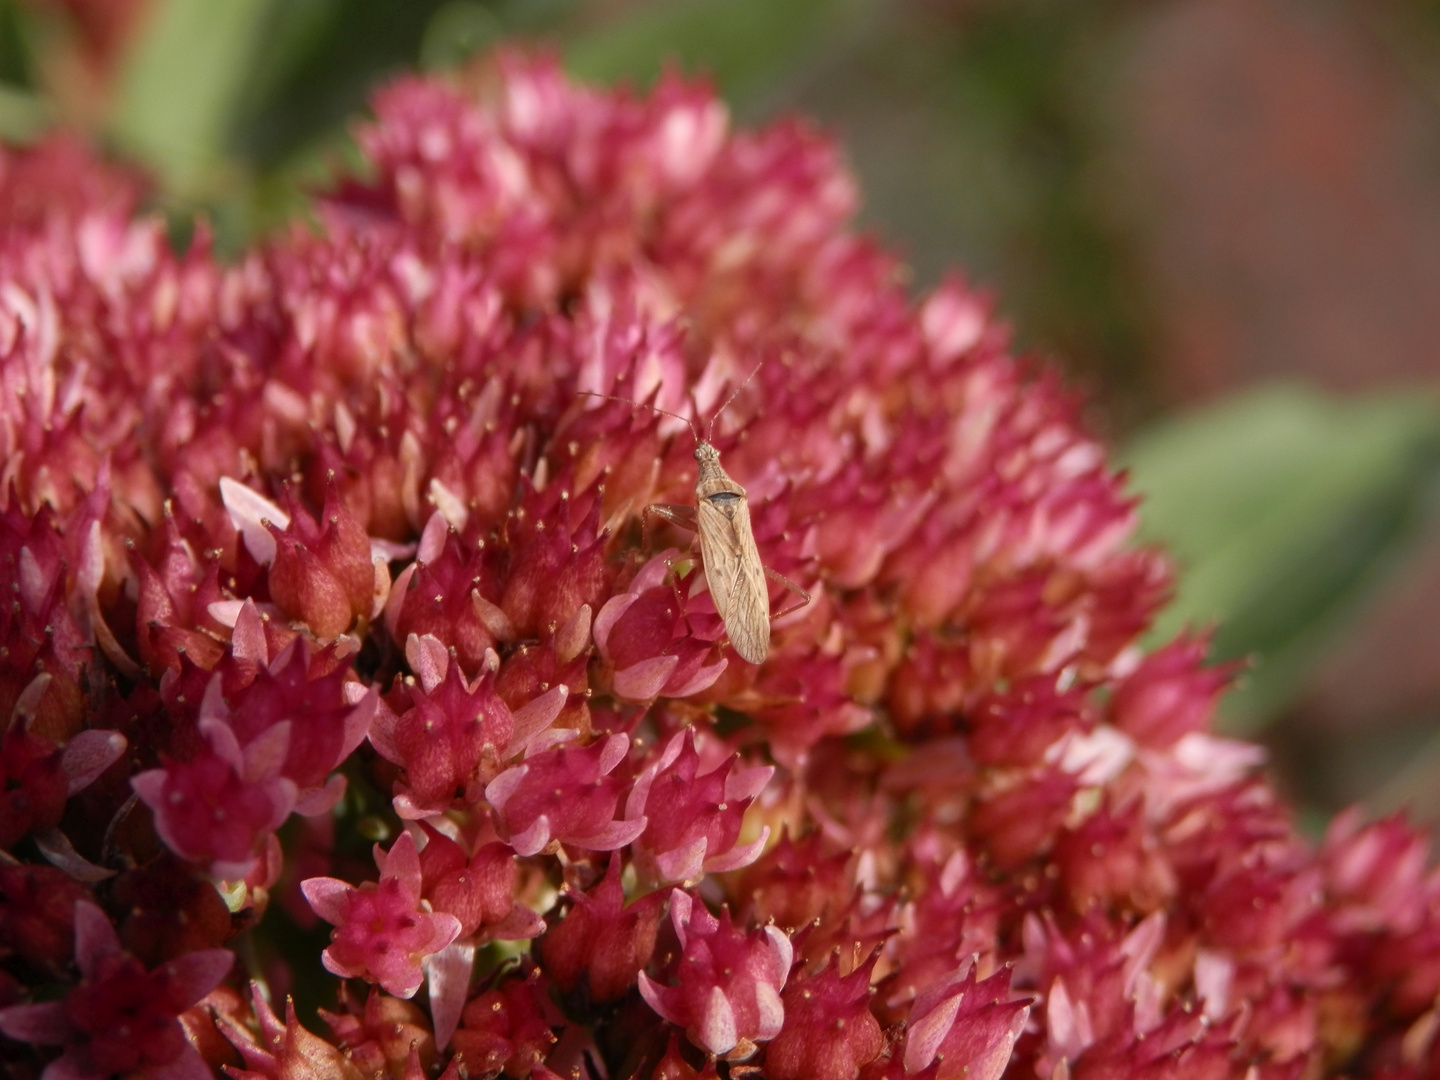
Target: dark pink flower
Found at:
45, 639
694, 821
1169, 694
601, 945
965, 1028
285, 1050
383, 1035
384, 930
478, 889
265, 756
728, 995
829, 1032
443, 596
323, 574
121, 1018
450, 736
170, 908
567, 796
655, 640
37, 915
506, 1028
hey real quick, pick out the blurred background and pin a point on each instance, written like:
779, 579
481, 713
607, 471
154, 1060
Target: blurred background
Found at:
1221, 217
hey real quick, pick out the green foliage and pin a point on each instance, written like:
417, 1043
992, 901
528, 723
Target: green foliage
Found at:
1284, 509
746, 46
180, 88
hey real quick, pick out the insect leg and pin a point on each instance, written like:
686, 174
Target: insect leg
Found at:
775, 575
675, 513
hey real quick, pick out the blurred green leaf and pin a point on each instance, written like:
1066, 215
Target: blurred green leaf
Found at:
1284, 508
327, 59
23, 115
14, 49
456, 32
179, 91
745, 45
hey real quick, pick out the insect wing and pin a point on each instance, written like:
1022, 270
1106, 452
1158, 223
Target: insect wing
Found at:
735, 576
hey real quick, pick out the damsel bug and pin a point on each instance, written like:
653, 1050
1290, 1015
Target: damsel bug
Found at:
721, 518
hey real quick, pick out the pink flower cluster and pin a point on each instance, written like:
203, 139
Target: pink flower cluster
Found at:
325, 547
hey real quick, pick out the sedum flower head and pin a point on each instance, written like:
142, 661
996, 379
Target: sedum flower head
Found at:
347, 541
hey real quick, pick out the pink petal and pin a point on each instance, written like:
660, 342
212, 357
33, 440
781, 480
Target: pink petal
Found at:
448, 976
391, 550
645, 680
358, 720
195, 974
47, 1024
401, 862
533, 839
703, 679
91, 571
74, 1064
717, 1024
328, 897
571, 639
772, 1011
782, 954
88, 755
652, 574
640, 792
95, 938
428, 658
613, 752
683, 863
29, 700
653, 994
500, 790
248, 511
432, 540
931, 1018
608, 617
445, 928
494, 618
737, 857
535, 716
150, 786
395, 602
520, 925
747, 783
682, 909
381, 731
321, 800
265, 754
248, 640
448, 505
58, 851
615, 835
221, 737
186, 1065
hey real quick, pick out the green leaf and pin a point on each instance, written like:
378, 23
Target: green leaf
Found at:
180, 88
328, 58
745, 45
23, 115
1284, 508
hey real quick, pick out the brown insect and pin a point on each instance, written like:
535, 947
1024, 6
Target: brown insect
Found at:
721, 518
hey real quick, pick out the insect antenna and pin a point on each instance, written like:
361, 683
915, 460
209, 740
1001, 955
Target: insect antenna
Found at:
642, 405
709, 431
